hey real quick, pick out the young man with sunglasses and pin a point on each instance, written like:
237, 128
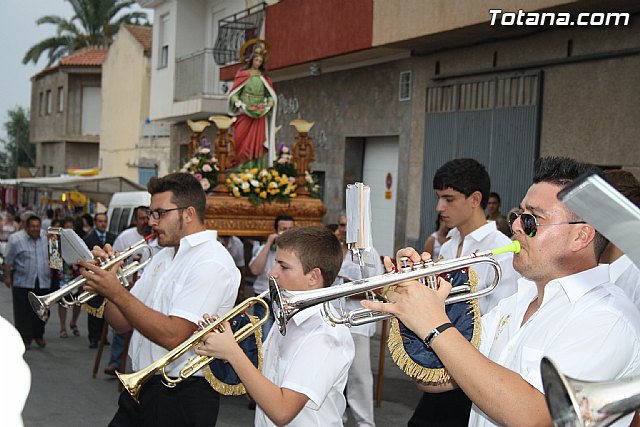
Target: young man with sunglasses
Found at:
463, 189
565, 309
193, 274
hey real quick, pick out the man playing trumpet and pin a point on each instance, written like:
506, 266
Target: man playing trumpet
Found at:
193, 274
565, 309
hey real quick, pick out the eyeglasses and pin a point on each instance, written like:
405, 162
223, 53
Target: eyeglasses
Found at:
159, 213
530, 223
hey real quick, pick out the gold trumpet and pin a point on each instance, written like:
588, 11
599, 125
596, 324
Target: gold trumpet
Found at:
134, 381
286, 305
64, 295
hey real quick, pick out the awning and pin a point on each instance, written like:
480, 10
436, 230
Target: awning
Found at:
97, 187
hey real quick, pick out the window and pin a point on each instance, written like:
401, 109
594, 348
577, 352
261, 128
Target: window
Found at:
49, 101
163, 54
60, 99
405, 86
91, 110
41, 104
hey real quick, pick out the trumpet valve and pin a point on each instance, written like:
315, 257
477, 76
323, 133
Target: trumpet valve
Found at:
432, 279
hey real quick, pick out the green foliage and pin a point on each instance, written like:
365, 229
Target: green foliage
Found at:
94, 23
16, 150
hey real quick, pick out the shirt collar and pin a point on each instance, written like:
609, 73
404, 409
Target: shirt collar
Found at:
577, 285
478, 234
305, 314
200, 237
617, 267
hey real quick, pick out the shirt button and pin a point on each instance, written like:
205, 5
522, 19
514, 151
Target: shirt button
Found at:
510, 347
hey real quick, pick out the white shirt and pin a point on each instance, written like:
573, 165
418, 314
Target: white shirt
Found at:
585, 325
350, 271
624, 273
201, 278
236, 248
485, 238
261, 283
17, 376
312, 359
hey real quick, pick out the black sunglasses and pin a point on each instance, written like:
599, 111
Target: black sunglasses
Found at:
530, 223
159, 213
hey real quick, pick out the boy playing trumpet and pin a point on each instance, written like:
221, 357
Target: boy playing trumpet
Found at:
305, 371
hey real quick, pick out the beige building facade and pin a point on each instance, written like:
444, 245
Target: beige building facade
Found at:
131, 145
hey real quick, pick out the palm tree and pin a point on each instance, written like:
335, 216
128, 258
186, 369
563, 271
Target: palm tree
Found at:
94, 23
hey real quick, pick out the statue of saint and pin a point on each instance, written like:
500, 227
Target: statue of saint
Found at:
253, 102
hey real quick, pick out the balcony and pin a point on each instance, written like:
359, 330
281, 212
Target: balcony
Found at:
196, 77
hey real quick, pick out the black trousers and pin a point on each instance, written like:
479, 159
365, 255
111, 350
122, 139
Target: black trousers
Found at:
449, 409
94, 324
191, 403
26, 322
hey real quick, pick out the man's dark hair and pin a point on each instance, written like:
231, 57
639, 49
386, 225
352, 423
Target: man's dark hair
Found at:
136, 209
562, 171
625, 183
496, 195
315, 247
281, 218
95, 217
87, 218
50, 213
465, 176
185, 188
32, 218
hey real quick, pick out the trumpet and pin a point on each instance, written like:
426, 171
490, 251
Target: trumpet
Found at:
64, 295
286, 305
134, 381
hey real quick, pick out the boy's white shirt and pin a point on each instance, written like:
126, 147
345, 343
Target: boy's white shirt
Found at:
313, 358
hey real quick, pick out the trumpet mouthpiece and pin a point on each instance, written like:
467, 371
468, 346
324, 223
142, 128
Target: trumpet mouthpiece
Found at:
511, 247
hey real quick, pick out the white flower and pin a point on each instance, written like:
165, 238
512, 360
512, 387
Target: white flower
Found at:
255, 183
206, 168
194, 160
183, 170
204, 150
244, 185
205, 184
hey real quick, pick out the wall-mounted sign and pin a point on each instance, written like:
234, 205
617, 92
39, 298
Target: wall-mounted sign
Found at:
388, 183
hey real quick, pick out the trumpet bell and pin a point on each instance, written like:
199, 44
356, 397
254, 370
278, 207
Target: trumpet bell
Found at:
573, 402
39, 306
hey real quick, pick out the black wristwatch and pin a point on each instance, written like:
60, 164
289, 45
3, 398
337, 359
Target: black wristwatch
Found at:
435, 332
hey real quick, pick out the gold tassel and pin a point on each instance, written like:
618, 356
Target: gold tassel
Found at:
97, 312
235, 389
417, 371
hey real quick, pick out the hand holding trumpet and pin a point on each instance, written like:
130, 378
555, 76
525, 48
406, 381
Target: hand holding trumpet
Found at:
418, 306
220, 343
103, 281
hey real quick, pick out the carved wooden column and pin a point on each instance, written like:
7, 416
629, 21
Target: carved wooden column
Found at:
224, 151
302, 153
196, 132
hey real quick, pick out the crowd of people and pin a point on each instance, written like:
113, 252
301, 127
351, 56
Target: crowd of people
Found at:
569, 295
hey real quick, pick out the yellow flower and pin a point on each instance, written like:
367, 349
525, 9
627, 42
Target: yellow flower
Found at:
236, 192
263, 194
293, 195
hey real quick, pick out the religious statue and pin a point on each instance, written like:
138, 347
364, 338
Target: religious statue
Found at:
253, 102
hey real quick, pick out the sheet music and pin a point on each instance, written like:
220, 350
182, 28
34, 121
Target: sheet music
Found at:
611, 213
358, 211
73, 247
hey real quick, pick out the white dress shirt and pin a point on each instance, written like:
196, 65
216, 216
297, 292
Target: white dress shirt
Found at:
200, 278
313, 358
261, 283
350, 271
482, 239
626, 275
17, 376
585, 325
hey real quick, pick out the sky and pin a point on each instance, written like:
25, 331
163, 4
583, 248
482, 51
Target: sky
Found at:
18, 32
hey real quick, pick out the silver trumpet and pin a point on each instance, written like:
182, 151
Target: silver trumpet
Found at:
42, 304
575, 403
285, 305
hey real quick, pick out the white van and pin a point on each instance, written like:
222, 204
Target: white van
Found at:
121, 206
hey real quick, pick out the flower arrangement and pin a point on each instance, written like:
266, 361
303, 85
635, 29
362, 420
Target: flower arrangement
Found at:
203, 166
277, 183
262, 185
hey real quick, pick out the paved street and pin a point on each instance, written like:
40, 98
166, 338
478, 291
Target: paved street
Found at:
64, 394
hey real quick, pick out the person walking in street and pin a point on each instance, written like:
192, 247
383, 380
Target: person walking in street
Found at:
27, 270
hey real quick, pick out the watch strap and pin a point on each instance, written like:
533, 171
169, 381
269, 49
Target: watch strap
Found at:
435, 332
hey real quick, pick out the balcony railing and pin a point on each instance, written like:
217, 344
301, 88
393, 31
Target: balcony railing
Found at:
195, 76
236, 29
